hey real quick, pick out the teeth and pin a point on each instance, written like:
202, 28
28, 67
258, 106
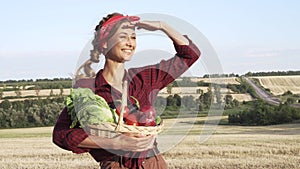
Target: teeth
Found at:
127, 50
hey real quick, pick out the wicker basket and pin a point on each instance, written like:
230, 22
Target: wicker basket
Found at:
110, 130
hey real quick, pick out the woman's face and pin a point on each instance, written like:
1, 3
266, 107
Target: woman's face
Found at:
121, 46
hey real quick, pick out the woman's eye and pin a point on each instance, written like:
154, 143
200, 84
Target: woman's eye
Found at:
133, 37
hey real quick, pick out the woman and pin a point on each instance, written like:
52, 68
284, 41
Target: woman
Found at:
115, 38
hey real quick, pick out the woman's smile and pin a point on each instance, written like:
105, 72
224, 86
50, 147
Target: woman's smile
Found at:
127, 51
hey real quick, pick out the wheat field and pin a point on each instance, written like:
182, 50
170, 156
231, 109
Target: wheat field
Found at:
182, 91
224, 80
237, 147
280, 84
43, 92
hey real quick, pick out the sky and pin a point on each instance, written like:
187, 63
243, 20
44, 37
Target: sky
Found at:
46, 38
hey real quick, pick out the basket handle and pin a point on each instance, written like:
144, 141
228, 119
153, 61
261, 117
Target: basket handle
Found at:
123, 104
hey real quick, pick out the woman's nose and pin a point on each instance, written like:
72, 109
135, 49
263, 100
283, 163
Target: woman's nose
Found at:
129, 42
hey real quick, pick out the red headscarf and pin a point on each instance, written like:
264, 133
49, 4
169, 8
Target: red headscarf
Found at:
109, 24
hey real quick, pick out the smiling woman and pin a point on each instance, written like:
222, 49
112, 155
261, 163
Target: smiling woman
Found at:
115, 38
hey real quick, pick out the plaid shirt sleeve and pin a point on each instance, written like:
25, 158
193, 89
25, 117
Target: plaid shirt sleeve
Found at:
160, 75
66, 137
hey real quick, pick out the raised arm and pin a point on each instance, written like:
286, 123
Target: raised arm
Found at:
173, 34
163, 73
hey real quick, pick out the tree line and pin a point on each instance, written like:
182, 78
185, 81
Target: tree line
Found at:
262, 113
44, 112
273, 73
171, 105
30, 113
56, 83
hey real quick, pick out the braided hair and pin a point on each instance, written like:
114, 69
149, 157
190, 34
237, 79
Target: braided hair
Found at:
96, 43
95, 52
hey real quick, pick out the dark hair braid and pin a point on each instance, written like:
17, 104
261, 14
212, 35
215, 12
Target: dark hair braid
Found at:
95, 52
95, 41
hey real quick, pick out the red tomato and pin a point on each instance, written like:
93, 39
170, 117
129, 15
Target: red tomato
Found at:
145, 121
125, 113
148, 111
147, 116
132, 119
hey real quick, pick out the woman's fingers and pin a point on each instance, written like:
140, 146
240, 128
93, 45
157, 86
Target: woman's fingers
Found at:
126, 142
137, 143
148, 25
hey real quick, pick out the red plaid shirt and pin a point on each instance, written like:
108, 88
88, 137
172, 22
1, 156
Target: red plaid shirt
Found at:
143, 83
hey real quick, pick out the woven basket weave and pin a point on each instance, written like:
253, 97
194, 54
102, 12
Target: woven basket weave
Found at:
109, 130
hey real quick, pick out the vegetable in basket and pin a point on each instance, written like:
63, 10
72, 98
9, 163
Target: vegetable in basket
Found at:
87, 108
146, 116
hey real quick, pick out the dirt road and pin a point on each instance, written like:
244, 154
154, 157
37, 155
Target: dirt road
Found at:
261, 93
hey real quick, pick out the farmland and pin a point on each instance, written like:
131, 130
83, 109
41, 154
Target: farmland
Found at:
280, 84
229, 147
243, 147
182, 90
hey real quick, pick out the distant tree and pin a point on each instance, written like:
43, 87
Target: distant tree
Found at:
23, 86
206, 98
236, 103
200, 106
290, 100
34, 117
61, 90
228, 101
170, 101
51, 92
199, 91
4, 87
188, 102
5, 104
177, 99
1, 94
37, 89
217, 92
287, 93
18, 92
169, 88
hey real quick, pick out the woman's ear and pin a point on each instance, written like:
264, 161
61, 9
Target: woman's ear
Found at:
104, 45
104, 48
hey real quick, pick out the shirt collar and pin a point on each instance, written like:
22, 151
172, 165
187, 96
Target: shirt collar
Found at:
101, 82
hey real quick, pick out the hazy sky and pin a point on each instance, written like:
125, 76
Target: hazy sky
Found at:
44, 38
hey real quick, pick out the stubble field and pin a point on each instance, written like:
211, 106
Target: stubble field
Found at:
280, 84
229, 147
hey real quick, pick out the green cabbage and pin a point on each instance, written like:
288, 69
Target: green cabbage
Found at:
86, 108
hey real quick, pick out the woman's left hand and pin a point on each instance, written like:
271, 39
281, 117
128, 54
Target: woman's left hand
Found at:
149, 25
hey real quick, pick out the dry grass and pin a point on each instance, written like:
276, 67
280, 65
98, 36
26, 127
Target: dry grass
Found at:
33, 148
246, 148
280, 84
39, 153
225, 80
229, 147
43, 92
242, 97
